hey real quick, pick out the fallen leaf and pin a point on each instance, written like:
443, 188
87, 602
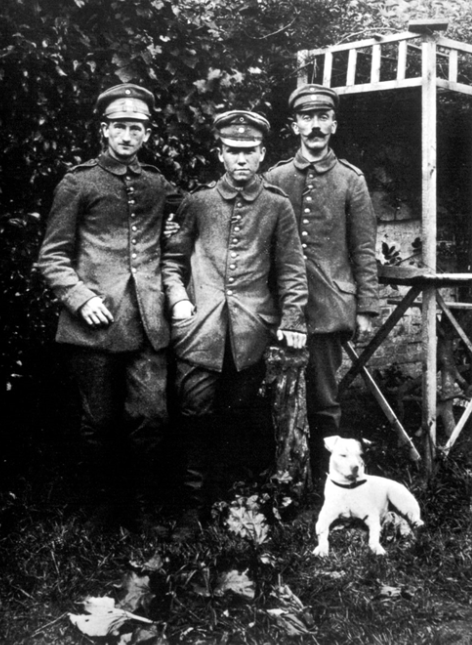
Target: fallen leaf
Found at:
138, 593
237, 582
102, 617
389, 592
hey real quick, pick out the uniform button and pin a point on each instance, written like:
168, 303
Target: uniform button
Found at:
230, 279
308, 199
133, 269
133, 241
304, 246
237, 229
233, 254
131, 201
134, 255
305, 257
306, 221
235, 240
127, 178
304, 233
133, 215
239, 204
130, 189
310, 186
134, 228
307, 210
232, 266
229, 292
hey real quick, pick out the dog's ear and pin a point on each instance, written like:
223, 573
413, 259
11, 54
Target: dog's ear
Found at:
330, 441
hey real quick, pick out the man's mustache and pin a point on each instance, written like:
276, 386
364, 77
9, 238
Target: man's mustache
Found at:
314, 134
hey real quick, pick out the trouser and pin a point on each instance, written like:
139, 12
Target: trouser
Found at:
323, 408
216, 411
123, 417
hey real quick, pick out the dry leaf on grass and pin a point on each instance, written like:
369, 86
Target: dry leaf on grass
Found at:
102, 617
138, 593
237, 582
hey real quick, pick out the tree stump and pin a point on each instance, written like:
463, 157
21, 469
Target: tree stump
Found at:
285, 381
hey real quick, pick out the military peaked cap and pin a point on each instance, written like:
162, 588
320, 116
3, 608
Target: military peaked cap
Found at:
313, 97
241, 129
126, 101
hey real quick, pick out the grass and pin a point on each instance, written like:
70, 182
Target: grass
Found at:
420, 594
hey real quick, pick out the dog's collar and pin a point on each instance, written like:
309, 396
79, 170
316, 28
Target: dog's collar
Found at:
352, 485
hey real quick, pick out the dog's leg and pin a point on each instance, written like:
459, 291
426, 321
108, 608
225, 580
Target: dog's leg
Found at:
325, 519
373, 524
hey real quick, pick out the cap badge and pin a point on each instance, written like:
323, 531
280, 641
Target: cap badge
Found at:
240, 129
241, 118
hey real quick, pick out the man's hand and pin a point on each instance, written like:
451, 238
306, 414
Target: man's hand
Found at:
293, 339
170, 227
364, 324
95, 313
182, 309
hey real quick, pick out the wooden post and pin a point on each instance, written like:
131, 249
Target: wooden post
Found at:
285, 380
429, 339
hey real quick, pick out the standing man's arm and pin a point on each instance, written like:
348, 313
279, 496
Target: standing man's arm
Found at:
292, 289
176, 264
362, 232
56, 256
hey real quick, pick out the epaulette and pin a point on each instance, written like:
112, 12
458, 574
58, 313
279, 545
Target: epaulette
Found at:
148, 166
357, 170
275, 189
282, 162
84, 165
198, 187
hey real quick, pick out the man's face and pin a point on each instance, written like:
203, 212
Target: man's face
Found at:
125, 138
315, 129
241, 164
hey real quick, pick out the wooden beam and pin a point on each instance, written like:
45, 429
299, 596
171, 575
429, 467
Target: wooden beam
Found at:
454, 44
327, 68
452, 319
453, 66
375, 64
351, 67
363, 88
429, 339
401, 65
458, 429
394, 421
379, 337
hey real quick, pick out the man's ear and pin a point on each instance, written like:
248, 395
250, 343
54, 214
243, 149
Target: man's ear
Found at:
295, 128
104, 129
263, 154
334, 127
147, 135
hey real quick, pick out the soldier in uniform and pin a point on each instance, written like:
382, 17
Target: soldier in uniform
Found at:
337, 227
101, 257
236, 235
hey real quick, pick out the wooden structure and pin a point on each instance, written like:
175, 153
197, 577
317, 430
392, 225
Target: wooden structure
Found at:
419, 58
285, 378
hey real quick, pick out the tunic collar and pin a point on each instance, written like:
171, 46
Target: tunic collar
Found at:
320, 167
249, 193
114, 166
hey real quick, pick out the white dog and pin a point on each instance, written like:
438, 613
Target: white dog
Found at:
350, 493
